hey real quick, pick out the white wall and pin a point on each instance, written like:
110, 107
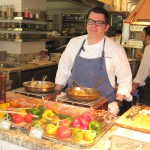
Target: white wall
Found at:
20, 5
16, 3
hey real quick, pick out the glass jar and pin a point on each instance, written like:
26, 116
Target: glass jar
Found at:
34, 12
18, 25
10, 11
7, 36
26, 13
18, 37
3, 25
12, 36
37, 14
13, 25
8, 25
3, 11
2, 36
40, 14
31, 13
45, 15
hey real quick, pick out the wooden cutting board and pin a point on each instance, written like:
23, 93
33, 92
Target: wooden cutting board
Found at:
139, 122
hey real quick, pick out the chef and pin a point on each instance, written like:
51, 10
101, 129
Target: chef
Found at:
89, 58
142, 79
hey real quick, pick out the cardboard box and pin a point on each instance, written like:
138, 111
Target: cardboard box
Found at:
126, 139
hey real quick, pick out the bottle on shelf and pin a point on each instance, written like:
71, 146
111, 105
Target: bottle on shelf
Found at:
31, 13
4, 11
10, 11
17, 37
0, 10
37, 14
26, 13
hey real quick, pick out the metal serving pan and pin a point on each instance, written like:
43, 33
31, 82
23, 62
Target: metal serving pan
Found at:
39, 86
82, 93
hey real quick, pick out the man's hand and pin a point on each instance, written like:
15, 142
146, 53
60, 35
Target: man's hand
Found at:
113, 108
134, 87
53, 95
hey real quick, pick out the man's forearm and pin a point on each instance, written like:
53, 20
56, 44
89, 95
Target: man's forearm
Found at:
59, 87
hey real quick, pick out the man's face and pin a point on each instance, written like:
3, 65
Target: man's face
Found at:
96, 26
145, 38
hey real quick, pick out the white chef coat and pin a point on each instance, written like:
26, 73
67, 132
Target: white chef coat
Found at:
144, 69
115, 58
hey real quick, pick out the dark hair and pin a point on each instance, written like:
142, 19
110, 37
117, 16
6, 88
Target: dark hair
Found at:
118, 31
147, 30
100, 10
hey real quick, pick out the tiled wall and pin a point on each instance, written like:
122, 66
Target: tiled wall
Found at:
21, 48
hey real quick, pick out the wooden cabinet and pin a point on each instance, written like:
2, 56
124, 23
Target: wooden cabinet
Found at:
15, 77
27, 75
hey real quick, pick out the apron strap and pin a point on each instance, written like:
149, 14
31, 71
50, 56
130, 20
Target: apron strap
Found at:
103, 53
81, 48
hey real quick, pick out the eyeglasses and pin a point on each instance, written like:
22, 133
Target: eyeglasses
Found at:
97, 22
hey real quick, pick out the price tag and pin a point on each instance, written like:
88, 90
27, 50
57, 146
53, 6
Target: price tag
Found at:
36, 133
5, 124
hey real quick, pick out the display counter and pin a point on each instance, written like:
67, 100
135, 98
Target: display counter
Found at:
27, 66
19, 139
18, 136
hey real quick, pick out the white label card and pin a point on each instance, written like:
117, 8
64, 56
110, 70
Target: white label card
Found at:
5, 124
36, 133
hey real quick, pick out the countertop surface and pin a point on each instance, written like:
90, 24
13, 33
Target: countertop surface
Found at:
30, 65
20, 138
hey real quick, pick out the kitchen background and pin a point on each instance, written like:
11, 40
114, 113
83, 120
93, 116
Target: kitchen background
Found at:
64, 20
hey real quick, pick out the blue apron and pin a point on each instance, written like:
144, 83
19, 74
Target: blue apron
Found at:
87, 72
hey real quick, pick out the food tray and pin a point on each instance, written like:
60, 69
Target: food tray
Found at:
81, 144
107, 123
102, 116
